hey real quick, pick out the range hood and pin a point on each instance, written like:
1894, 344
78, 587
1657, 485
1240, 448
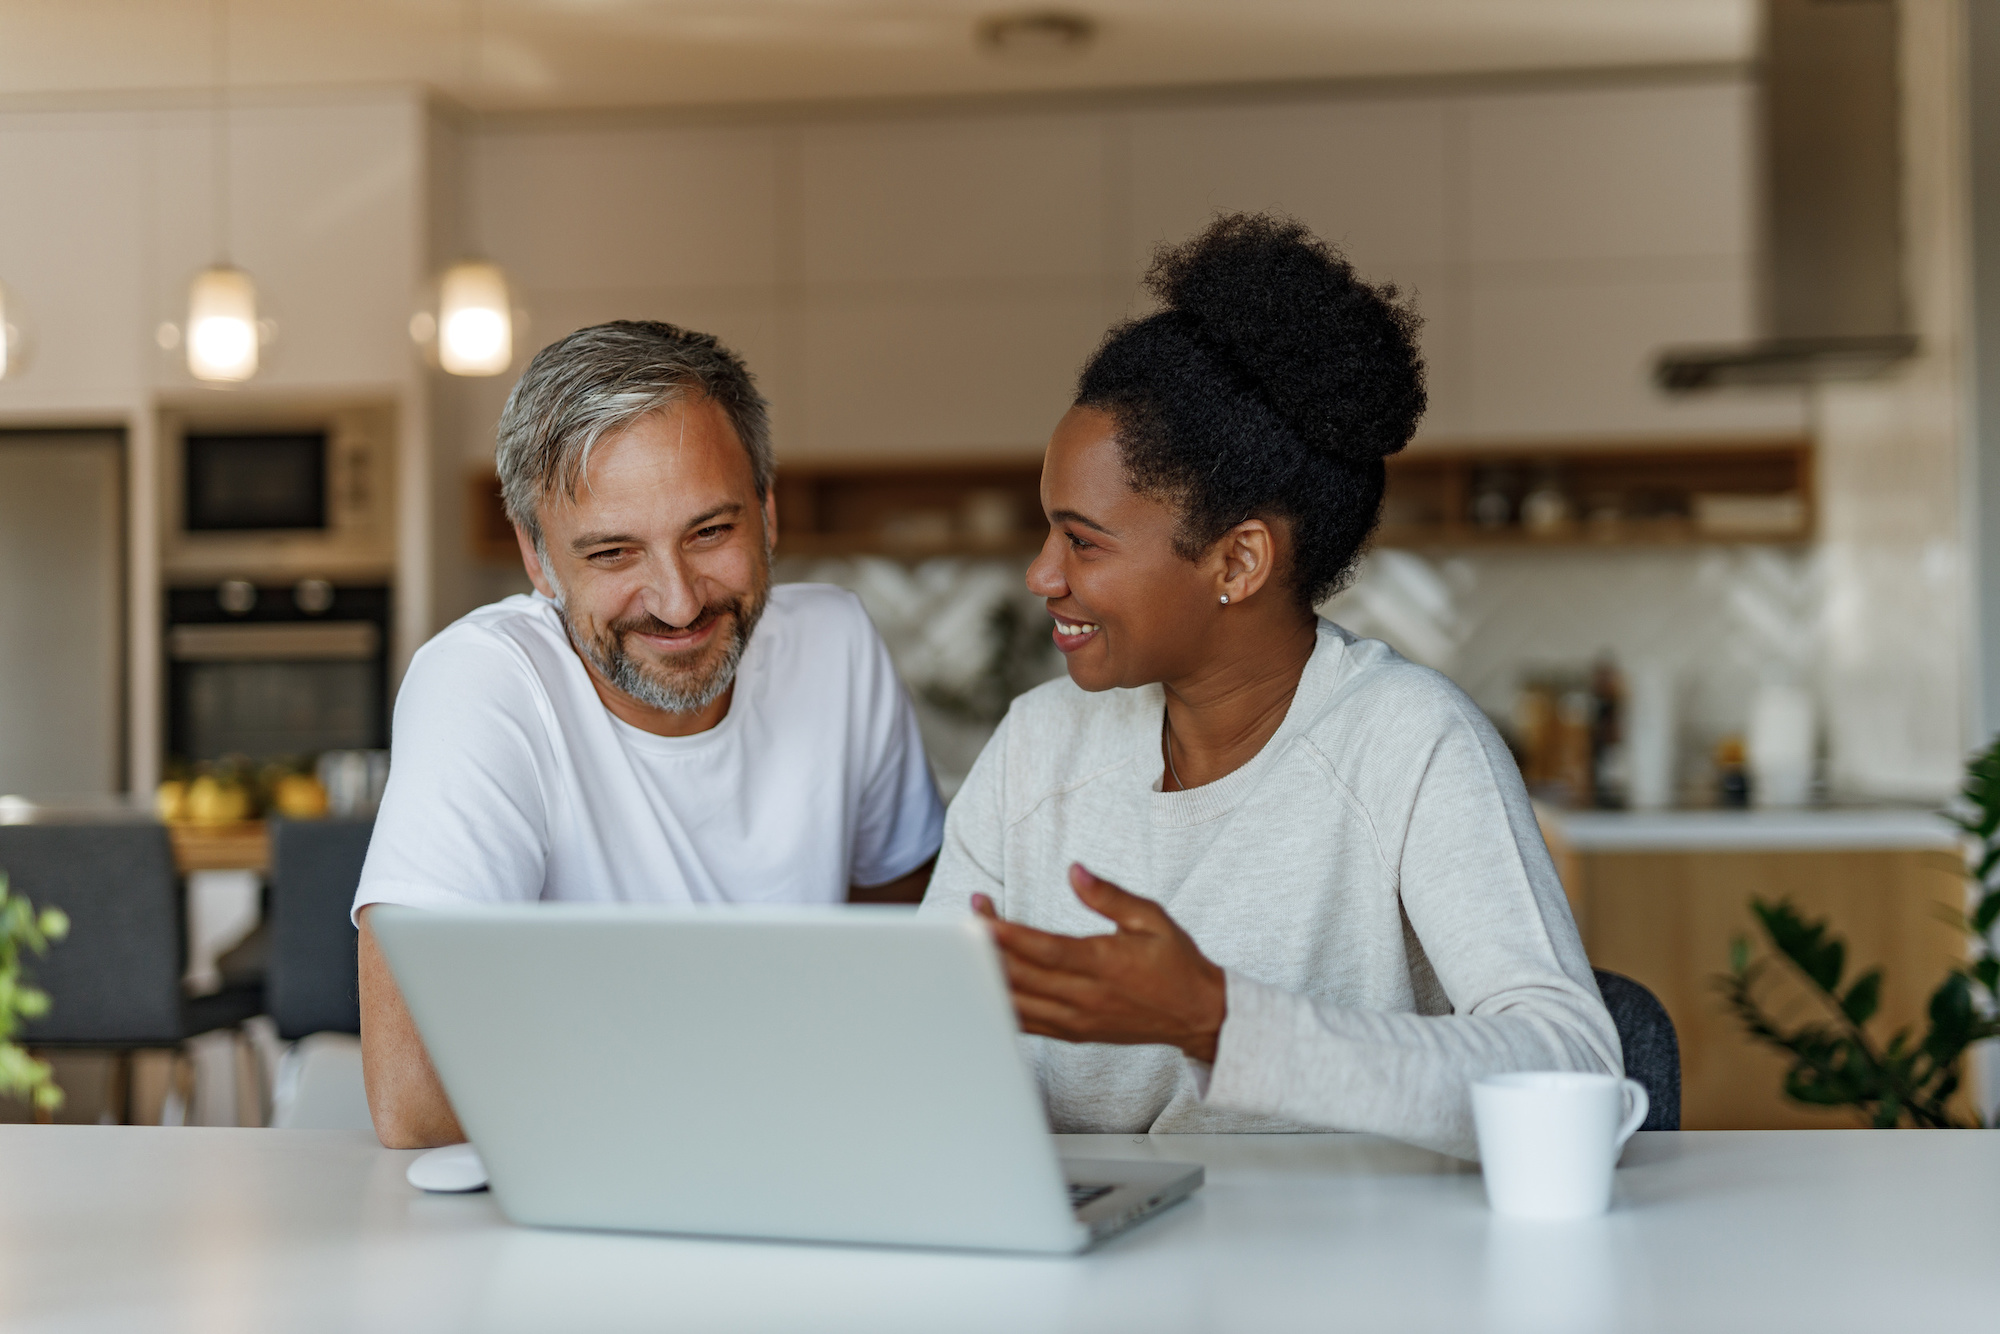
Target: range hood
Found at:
1833, 246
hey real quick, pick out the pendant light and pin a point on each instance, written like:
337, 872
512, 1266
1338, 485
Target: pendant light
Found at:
474, 324
13, 343
222, 330
475, 320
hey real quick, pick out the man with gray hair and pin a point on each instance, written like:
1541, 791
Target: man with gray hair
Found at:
656, 722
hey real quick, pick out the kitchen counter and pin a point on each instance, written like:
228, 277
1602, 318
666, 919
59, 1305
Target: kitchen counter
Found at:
1661, 895
1819, 829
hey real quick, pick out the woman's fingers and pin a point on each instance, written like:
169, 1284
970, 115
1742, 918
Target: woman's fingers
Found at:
1053, 983
1071, 953
1128, 910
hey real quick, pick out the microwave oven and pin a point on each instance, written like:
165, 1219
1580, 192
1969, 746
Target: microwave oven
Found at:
266, 490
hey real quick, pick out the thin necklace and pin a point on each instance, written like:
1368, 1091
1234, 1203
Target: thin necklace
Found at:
1167, 734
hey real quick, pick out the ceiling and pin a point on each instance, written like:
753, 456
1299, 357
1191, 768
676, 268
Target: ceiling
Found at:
569, 54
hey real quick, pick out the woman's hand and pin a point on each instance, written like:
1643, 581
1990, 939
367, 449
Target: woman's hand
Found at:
1145, 983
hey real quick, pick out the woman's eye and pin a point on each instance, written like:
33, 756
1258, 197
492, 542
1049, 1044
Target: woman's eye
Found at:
1076, 543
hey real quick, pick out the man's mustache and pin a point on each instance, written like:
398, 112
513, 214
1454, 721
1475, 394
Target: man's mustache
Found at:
653, 625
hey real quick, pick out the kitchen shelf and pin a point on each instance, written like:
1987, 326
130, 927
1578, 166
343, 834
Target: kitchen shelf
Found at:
911, 508
1649, 494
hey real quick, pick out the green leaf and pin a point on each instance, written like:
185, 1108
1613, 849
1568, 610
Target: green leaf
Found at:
1863, 998
1951, 1019
1739, 954
1987, 972
1986, 914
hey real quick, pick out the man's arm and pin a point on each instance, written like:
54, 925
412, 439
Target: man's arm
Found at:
405, 1098
907, 889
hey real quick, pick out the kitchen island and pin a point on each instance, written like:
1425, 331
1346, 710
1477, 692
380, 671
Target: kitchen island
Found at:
1658, 896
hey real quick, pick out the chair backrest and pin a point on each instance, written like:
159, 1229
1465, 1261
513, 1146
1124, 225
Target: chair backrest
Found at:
1652, 1051
116, 980
315, 868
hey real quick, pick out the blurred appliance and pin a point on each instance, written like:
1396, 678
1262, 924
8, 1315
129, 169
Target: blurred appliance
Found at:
1833, 197
276, 671
62, 613
268, 489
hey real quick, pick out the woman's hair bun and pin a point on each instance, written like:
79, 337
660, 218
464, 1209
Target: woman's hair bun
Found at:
1333, 356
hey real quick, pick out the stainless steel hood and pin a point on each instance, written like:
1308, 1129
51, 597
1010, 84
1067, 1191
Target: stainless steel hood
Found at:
1833, 245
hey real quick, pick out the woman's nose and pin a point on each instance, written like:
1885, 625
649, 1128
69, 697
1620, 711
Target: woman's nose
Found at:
1045, 578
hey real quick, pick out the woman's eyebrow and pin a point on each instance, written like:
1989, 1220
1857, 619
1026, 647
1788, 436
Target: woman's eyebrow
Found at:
1071, 516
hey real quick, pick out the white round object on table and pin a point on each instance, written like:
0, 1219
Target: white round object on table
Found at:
455, 1168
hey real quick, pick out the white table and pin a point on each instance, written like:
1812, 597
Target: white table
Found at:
137, 1229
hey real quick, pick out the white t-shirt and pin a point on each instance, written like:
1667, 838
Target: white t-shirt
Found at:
511, 781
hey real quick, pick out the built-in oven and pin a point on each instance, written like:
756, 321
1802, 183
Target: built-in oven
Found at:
276, 672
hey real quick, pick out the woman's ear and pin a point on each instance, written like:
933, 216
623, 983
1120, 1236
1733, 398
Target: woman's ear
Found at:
1247, 557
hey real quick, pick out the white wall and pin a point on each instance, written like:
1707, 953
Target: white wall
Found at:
105, 217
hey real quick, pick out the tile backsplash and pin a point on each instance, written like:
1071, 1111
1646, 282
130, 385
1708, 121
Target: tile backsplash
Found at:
1720, 621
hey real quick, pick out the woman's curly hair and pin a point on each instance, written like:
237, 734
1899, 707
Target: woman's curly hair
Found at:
1271, 385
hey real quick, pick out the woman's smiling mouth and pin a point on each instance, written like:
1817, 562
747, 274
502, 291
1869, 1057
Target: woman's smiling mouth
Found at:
1073, 635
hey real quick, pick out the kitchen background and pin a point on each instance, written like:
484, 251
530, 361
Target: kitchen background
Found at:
915, 246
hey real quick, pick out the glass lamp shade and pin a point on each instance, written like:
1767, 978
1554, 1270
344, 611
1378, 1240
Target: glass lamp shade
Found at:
222, 325
475, 326
7, 358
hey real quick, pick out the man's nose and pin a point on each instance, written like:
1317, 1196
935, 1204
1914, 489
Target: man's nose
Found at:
669, 594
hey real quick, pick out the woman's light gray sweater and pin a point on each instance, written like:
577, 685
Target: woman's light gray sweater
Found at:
1373, 882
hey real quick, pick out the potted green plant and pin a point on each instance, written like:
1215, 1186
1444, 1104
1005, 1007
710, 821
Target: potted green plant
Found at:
22, 927
1838, 1059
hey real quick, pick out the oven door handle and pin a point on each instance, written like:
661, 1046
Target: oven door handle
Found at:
323, 641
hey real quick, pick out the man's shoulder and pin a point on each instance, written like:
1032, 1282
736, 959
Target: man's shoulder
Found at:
819, 609
519, 637
819, 630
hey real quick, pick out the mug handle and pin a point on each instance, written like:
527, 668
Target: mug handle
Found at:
1641, 1104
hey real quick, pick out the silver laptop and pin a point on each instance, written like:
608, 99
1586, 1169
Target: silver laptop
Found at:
823, 1074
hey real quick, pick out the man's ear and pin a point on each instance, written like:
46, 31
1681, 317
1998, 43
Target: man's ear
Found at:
770, 519
533, 562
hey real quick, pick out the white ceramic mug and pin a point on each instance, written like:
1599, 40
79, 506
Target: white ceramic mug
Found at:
1548, 1140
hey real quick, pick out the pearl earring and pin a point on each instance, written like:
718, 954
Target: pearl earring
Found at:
1225, 599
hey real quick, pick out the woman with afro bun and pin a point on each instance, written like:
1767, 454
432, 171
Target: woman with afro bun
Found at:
1332, 908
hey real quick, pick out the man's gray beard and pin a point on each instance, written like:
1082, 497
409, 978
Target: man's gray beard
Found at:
624, 671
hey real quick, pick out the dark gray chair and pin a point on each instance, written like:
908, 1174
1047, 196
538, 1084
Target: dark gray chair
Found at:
1652, 1051
311, 981
115, 982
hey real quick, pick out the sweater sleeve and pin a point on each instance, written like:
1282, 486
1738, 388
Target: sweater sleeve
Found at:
971, 860
1482, 899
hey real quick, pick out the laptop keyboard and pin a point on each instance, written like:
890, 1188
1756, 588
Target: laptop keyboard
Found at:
1082, 1193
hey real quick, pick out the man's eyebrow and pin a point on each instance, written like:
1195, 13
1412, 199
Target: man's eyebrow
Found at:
588, 540
725, 509
1071, 516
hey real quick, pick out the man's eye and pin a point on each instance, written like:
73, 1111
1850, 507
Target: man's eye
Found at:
606, 556
713, 530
